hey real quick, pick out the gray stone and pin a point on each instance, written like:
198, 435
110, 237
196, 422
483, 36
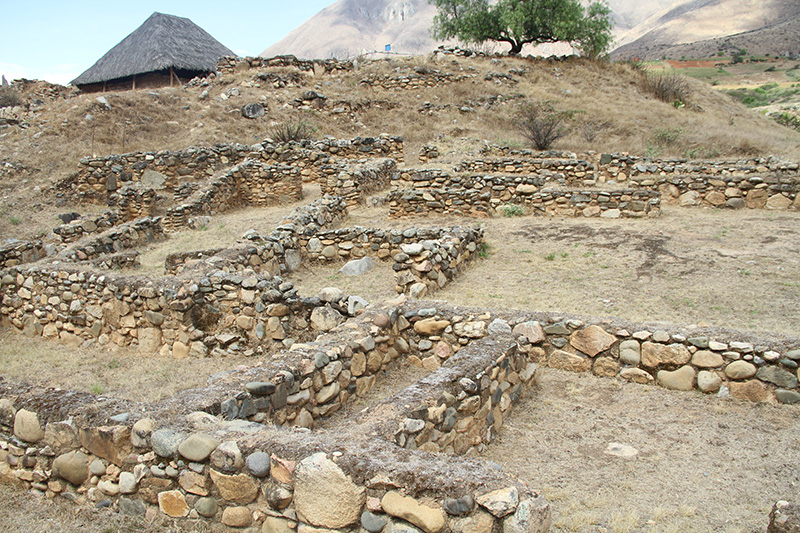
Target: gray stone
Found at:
358, 267
97, 467
131, 507
499, 327
459, 506
411, 249
258, 464
253, 110
7, 412
206, 507
532, 516
777, 376
165, 442
325, 318
708, 382
324, 495
260, 388
630, 352
72, 466
787, 396
198, 447
331, 294
153, 179
372, 523
127, 483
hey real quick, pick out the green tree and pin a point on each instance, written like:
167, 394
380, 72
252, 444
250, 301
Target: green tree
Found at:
519, 22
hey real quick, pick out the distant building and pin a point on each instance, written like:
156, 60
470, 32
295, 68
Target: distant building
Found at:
165, 50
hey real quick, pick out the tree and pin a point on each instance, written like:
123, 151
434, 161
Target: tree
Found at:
519, 22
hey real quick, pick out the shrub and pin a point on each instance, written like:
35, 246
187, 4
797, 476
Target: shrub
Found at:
296, 131
511, 210
9, 97
542, 124
670, 88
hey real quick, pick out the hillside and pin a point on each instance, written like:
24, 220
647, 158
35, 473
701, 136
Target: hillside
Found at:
702, 28
609, 112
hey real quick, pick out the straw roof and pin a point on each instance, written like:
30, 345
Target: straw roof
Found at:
161, 42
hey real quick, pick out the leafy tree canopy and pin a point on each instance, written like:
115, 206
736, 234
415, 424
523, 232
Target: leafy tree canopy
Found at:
519, 22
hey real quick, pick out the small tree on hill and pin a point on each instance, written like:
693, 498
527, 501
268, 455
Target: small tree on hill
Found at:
520, 22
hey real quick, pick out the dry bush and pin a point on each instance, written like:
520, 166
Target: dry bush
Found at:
9, 97
670, 88
542, 124
291, 131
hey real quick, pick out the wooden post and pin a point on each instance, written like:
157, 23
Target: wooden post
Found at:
104, 86
134, 82
171, 74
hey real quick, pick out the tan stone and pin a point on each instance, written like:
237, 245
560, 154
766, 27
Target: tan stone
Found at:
654, 354
531, 330
680, 379
27, 426
240, 488
282, 470
149, 340
426, 518
607, 367
477, 522
778, 201
273, 524
753, 390
61, 437
592, 340
707, 359
567, 361
194, 483
237, 517
430, 326
180, 350
324, 495
172, 503
715, 198
637, 375
740, 370
756, 198
112, 443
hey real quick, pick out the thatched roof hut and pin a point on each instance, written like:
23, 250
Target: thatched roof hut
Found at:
164, 49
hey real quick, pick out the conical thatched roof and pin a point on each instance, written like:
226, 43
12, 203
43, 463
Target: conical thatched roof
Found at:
163, 41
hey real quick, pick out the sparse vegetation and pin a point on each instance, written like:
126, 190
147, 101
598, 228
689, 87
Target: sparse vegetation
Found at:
294, 131
511, 210
9, 97
542, 124
670, 88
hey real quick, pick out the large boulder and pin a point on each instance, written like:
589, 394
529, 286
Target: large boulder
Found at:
324, 495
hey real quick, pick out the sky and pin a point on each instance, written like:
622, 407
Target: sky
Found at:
56, 40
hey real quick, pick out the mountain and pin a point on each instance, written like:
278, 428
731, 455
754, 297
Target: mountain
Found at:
642, 28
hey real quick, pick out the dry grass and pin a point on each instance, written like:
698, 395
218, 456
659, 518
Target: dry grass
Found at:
116, 372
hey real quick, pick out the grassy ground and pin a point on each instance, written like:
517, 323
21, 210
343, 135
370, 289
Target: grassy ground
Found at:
703, 463
610, 113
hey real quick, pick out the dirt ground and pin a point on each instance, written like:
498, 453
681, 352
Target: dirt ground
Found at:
737, 269
703, 464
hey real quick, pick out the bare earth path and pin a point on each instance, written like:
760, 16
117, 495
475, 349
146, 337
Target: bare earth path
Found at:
703, 463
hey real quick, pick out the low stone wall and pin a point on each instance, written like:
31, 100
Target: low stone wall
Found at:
620, 167
574, 172
733, 191
76, 230
134, 201
354, 182
250, 183
230, 65
419, 79
19, 252
99, 177
117, 239
633, 203
187, 458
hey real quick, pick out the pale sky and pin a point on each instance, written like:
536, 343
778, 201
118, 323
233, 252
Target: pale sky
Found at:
56, 40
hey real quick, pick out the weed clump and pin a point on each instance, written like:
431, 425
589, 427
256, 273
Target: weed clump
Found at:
542, 124
9, 97
511, 210
292, 131
670, 88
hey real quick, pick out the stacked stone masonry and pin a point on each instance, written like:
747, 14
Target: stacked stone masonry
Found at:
98, 178
87, 225
434, 191
19, 252
355, 182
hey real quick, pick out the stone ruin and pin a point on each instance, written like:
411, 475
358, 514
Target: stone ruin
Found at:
276, 443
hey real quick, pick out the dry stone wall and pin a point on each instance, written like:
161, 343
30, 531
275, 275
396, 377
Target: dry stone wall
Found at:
230, 65
117, 239
420, 78
354, 182
573, 172
79, 228
99, 177
187, 459
18, 252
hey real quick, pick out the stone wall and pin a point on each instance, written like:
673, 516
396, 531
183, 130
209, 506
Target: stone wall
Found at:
99, 177
194, 457
418, 79
87, 225
354, 182
250, 183
117, 239
230, 65
573, 172
19, 252
633, 203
